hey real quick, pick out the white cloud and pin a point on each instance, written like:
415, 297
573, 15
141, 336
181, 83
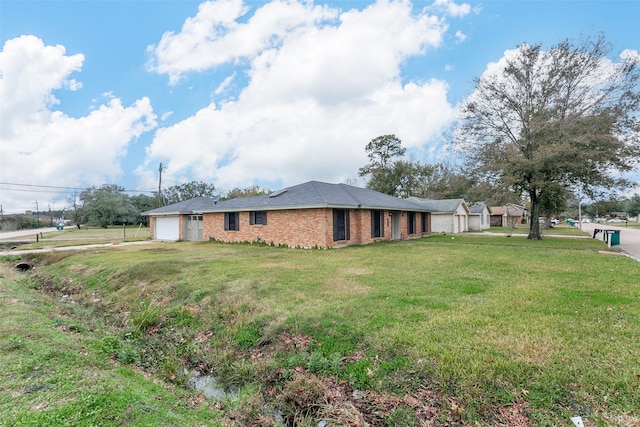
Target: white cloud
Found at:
214, 36
451, 8
222, 87
29, 73
460, 36
630, 55
315, 97
42, 146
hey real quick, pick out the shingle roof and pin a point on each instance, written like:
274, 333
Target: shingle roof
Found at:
195, 205
312, 194
498, 210
315, 194
446, 205
510, 209
477, 208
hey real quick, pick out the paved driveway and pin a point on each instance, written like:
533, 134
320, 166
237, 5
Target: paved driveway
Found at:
629, 237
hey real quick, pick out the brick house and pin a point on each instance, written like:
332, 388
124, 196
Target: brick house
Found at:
313, 214
508, 215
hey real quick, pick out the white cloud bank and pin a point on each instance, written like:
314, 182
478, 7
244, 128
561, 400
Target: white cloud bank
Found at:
321, 84
41, 146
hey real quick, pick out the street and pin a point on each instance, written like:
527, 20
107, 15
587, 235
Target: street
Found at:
31, 233
629, 237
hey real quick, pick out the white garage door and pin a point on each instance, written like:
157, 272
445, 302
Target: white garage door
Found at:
167, 228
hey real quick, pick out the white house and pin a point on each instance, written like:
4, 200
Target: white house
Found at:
447, 216
479, 217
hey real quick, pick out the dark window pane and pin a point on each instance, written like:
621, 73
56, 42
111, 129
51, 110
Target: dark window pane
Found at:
340, 224
377, 223
258, 218
411, 223
231, 221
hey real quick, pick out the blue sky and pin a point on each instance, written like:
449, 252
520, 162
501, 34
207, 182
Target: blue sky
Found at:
249, 93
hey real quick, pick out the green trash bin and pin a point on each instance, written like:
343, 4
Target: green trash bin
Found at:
614, 236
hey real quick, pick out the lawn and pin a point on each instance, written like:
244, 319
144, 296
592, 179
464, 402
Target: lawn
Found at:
562, 229
443, 330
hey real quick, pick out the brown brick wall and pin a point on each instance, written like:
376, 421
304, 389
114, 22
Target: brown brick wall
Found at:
303, 227
293, 227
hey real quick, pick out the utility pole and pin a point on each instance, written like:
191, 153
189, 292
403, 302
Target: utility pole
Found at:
160, 185
37, 214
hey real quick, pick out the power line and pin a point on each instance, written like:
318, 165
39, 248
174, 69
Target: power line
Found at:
43, 186
36, 191
59, 189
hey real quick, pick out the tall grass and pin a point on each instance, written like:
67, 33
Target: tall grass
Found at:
551, 327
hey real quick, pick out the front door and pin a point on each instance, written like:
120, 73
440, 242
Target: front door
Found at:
395, 225
194, 229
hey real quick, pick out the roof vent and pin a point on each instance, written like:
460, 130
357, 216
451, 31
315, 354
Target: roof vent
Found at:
277, 193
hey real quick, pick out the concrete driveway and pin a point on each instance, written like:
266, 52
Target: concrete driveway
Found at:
629, 237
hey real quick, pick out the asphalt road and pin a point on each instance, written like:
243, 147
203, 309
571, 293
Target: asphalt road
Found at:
629, 237
31, 234
25, 233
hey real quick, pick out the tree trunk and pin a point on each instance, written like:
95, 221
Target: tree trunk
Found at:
534, 226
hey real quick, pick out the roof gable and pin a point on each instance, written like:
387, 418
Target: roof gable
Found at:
445, 205
478, 208
510, 209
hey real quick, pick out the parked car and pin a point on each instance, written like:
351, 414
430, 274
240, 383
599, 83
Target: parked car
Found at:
616, 220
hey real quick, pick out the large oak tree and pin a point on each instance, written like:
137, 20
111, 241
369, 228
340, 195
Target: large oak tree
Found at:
563, 118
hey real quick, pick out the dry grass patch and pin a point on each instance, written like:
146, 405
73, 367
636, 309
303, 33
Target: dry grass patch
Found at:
342, 286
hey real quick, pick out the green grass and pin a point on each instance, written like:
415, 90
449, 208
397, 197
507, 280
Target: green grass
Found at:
562, 229
58, 369
464, 326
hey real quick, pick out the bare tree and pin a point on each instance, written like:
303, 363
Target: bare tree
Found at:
565, 117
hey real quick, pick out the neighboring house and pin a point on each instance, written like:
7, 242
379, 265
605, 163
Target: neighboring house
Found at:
621, 215
447, 216
179, 221
508, 215
479, 217
313, 214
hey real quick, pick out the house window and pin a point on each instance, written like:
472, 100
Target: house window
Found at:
424, 223
377, 223
231, 221
411, 223
340, 224
258, 217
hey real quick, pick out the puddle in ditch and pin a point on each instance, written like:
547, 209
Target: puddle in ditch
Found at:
210, 388
207, 385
